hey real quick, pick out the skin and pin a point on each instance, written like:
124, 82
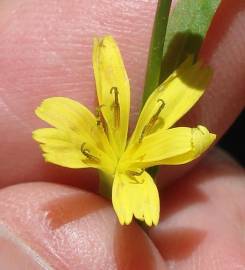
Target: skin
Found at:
45, 50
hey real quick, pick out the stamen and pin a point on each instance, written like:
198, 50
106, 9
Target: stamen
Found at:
87, 154
116, 106
101, 120
148, 127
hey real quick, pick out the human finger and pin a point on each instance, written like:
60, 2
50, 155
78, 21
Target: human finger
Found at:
202, 216
50, 226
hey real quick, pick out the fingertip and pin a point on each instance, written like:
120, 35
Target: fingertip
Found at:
67, 226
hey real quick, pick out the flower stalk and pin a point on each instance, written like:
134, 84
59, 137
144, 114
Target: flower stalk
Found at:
153, 70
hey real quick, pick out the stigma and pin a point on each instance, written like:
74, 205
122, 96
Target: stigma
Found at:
148, 127
88, 155
116, 106
101, 122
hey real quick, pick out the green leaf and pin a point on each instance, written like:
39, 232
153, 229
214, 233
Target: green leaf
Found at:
187, 27
156, 48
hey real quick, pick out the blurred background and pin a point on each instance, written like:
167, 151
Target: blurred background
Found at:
234, 140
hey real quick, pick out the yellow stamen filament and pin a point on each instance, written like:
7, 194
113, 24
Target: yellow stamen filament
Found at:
101, 120
147, 129
116, 106
87, 154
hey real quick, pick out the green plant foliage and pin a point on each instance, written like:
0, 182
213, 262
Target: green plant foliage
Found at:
174, 37
156, 48
187, 27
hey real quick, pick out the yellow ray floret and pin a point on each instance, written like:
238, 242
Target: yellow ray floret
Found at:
80, 139
173, 98
113, 90
181, 145
135, 195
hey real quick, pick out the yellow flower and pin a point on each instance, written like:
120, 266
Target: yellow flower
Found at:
80, 139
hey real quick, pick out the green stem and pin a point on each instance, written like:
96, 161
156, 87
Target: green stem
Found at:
156, 48
154, 65
105, 185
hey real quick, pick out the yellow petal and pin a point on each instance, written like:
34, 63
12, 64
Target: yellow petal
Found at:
173, 146
64, 148
173, 98
135, 196
113, 90
68, 115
